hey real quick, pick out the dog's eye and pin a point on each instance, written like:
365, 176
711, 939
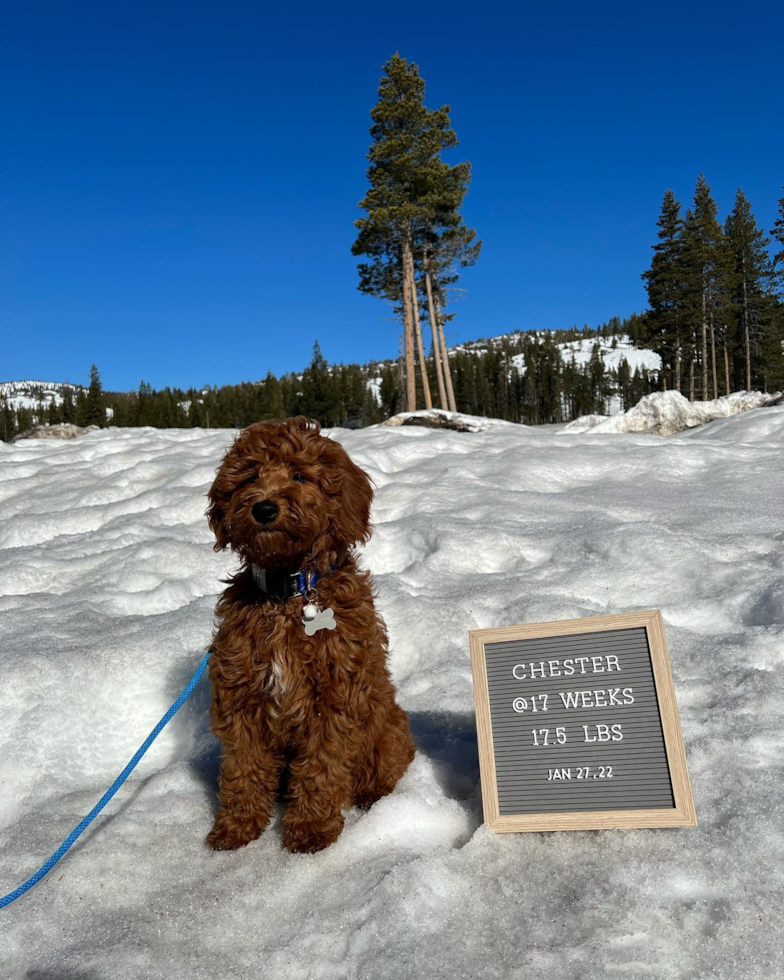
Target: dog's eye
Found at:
298, 477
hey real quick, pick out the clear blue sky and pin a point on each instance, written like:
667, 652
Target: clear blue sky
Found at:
178, 181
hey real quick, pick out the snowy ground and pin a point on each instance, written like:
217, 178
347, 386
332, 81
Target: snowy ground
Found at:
107, 582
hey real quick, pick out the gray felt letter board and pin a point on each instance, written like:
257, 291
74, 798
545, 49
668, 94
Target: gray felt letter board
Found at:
578, 726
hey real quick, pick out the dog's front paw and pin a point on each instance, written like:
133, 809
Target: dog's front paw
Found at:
303, 837
229, 833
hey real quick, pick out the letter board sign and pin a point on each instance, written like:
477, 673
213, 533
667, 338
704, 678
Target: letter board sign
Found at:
578, 726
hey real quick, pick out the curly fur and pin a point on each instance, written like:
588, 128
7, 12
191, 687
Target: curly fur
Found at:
313, 719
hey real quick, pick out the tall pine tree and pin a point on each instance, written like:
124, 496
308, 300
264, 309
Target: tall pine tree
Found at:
751, 283
664, 282
704, 257
94, 408
411, 188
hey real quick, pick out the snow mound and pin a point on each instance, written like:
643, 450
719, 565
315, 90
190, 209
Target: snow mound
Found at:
666, 412
107, 591
583, 422
437, 418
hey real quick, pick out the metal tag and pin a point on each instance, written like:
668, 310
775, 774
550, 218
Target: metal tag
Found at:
324, 620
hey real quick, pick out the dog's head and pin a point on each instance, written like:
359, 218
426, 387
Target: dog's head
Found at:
284, 492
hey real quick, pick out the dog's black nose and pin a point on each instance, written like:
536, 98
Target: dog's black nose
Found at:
265, 511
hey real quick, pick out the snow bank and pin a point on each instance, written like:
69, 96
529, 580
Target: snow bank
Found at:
667, 412
107, 582
583, 422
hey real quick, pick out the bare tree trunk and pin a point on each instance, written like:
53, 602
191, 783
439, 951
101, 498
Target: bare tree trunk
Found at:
418, 333
408, 326
713, 359
746, 328
436, 345
704, 347
726, 369
450, 391
691, 380
678, 366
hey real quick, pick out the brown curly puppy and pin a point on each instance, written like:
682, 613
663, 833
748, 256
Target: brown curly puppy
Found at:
313, 716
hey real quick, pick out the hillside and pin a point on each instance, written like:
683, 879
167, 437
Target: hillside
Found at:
30, 394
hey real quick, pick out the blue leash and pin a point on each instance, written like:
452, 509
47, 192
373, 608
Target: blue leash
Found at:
78, 831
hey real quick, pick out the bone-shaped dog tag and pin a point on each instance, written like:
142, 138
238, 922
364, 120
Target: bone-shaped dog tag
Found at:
324, 620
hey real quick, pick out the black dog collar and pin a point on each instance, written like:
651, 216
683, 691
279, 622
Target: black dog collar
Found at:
284, 585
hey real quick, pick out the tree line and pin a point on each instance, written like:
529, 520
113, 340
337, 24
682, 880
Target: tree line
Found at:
716, 316
521, 377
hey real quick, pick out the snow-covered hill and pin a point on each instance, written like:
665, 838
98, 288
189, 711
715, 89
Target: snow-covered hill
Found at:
107, 587
612, 352
29, 394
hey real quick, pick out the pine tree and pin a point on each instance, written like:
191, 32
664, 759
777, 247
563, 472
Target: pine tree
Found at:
775, 340
752, 282
624, 384
94, 409
80, 407
778, 233
664, 282
410, 187
146, 413
272, 398
389, 392
68, 409
8, 428
703, 253
319, 398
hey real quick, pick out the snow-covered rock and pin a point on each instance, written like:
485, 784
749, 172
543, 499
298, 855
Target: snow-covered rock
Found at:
62, 430
107, 590
667, 412
437, 418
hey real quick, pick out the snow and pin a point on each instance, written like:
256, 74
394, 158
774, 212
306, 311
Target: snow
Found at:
107, 588
668, 412
29, 394
583, 422
581, 351
374, 384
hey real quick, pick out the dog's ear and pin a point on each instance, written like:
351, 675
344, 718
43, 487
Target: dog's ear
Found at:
219, 495
351, 524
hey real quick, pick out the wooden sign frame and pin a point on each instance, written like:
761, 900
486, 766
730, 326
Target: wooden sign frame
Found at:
682, 814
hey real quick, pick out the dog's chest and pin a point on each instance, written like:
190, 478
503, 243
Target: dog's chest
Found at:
280, 677
289, 671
